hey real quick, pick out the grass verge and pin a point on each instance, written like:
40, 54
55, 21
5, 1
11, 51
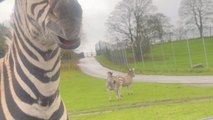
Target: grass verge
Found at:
169, 59
178, 111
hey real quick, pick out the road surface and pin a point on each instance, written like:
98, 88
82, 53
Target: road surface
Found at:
91, 67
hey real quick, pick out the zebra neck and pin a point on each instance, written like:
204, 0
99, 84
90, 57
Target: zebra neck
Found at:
35, 73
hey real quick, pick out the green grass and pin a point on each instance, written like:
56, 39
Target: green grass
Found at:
83, 93
185, 111
178, 65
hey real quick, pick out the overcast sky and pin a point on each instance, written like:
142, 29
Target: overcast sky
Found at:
95, 14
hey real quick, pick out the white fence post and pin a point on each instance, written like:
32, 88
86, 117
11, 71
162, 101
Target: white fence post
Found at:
205, 52
143, 64
189, 50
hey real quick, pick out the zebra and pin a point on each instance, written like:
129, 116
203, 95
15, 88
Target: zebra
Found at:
113, 83
29, 72
127, 80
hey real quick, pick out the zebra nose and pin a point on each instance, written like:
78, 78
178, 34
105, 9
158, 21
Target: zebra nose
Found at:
67, 8
68, 18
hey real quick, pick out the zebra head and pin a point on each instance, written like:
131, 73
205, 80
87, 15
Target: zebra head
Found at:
131, 72
65, 22
51, 22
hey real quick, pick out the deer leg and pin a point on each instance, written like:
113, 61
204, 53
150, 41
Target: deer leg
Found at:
109, 94
118, 94
129, 91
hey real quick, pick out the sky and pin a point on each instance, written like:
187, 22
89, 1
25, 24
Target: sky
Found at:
95, 13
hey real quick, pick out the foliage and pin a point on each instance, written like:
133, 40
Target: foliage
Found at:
69, 60
3, 31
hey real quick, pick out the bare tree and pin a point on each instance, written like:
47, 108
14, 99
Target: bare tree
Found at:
135, 21
196, 12
120, 22
128, 21
159, 25
180, 33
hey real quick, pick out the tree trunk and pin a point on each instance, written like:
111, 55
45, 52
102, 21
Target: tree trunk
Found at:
201, 33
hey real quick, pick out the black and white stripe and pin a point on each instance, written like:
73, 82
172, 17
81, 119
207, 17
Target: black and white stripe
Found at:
29, 73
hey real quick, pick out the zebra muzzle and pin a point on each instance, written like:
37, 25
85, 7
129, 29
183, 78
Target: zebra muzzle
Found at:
68, 44
64, 22
66, 39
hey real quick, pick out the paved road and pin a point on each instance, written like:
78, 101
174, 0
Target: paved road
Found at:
91, 67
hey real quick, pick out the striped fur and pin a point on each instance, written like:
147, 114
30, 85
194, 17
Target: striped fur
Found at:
29, 72
113, 84
127, 80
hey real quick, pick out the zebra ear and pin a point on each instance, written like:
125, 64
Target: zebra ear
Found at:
111, 73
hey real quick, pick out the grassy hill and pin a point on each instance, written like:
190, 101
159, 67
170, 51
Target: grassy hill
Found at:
173, 58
